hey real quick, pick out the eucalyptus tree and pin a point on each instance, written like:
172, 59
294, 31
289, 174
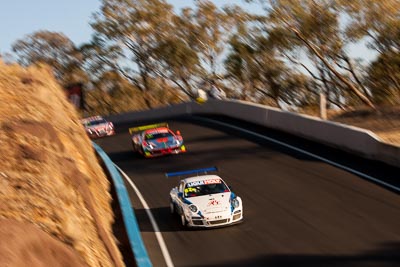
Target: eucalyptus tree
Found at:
383, 78
239, 63
112, 94
314, 27
99, 58
376, 20
51, 48
254, 61
206, 30
240, 67
378, 23
257, 66
179, 64
136, 27
189, 56
274, 75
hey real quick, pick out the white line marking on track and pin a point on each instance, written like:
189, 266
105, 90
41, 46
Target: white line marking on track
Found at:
376, 180
157, 231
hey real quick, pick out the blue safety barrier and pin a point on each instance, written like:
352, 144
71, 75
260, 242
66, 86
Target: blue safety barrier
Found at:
197, 171
131, 225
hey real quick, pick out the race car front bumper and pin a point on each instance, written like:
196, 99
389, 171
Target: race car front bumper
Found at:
216, 220
101, 133
164, 151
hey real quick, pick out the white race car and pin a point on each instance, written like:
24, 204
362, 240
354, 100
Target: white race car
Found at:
205, 200
97, 126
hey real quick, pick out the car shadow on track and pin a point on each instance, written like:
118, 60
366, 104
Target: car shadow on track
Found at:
125, 155
385, 255
166, 221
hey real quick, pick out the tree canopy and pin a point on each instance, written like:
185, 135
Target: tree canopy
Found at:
286, 54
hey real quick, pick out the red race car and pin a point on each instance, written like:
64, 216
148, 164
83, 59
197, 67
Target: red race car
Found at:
156, 140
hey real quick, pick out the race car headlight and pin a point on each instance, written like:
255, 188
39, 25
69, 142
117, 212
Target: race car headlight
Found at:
235, 203
193, 208
148, 146
178, 142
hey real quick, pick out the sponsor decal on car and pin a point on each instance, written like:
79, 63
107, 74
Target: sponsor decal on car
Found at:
213, 202
195, 183
204, 182
212, 181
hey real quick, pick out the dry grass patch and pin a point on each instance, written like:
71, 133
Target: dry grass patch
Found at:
51, 181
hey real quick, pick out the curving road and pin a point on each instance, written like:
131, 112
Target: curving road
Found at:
299, 211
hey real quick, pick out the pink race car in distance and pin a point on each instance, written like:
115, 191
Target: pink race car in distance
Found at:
156, 140
97, 126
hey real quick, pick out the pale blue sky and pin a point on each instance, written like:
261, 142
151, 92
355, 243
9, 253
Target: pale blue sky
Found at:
19, 18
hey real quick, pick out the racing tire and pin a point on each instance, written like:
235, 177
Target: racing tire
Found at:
141, 151
134, 147
172, 207
183, 220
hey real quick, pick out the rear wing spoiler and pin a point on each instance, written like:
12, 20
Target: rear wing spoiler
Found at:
142, 128
197, 171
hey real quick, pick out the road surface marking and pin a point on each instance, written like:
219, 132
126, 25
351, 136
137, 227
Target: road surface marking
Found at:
157, 231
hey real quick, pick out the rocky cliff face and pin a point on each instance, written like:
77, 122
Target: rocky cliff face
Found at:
54, 197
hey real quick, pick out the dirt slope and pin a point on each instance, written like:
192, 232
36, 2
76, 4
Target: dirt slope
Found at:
54, 197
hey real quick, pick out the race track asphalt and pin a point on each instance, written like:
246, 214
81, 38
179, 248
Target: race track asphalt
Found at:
298, 210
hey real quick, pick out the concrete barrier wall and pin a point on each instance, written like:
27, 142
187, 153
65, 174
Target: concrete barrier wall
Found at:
352, 139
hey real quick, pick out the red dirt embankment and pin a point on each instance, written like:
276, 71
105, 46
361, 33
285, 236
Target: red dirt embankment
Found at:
55, 205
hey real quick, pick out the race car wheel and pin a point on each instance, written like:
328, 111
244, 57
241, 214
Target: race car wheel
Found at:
133, 147
172, 207
183, 220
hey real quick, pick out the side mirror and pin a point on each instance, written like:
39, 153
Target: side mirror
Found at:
230, 187
180, 194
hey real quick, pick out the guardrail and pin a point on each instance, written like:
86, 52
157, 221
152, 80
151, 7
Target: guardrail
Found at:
355, 140
131, 225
